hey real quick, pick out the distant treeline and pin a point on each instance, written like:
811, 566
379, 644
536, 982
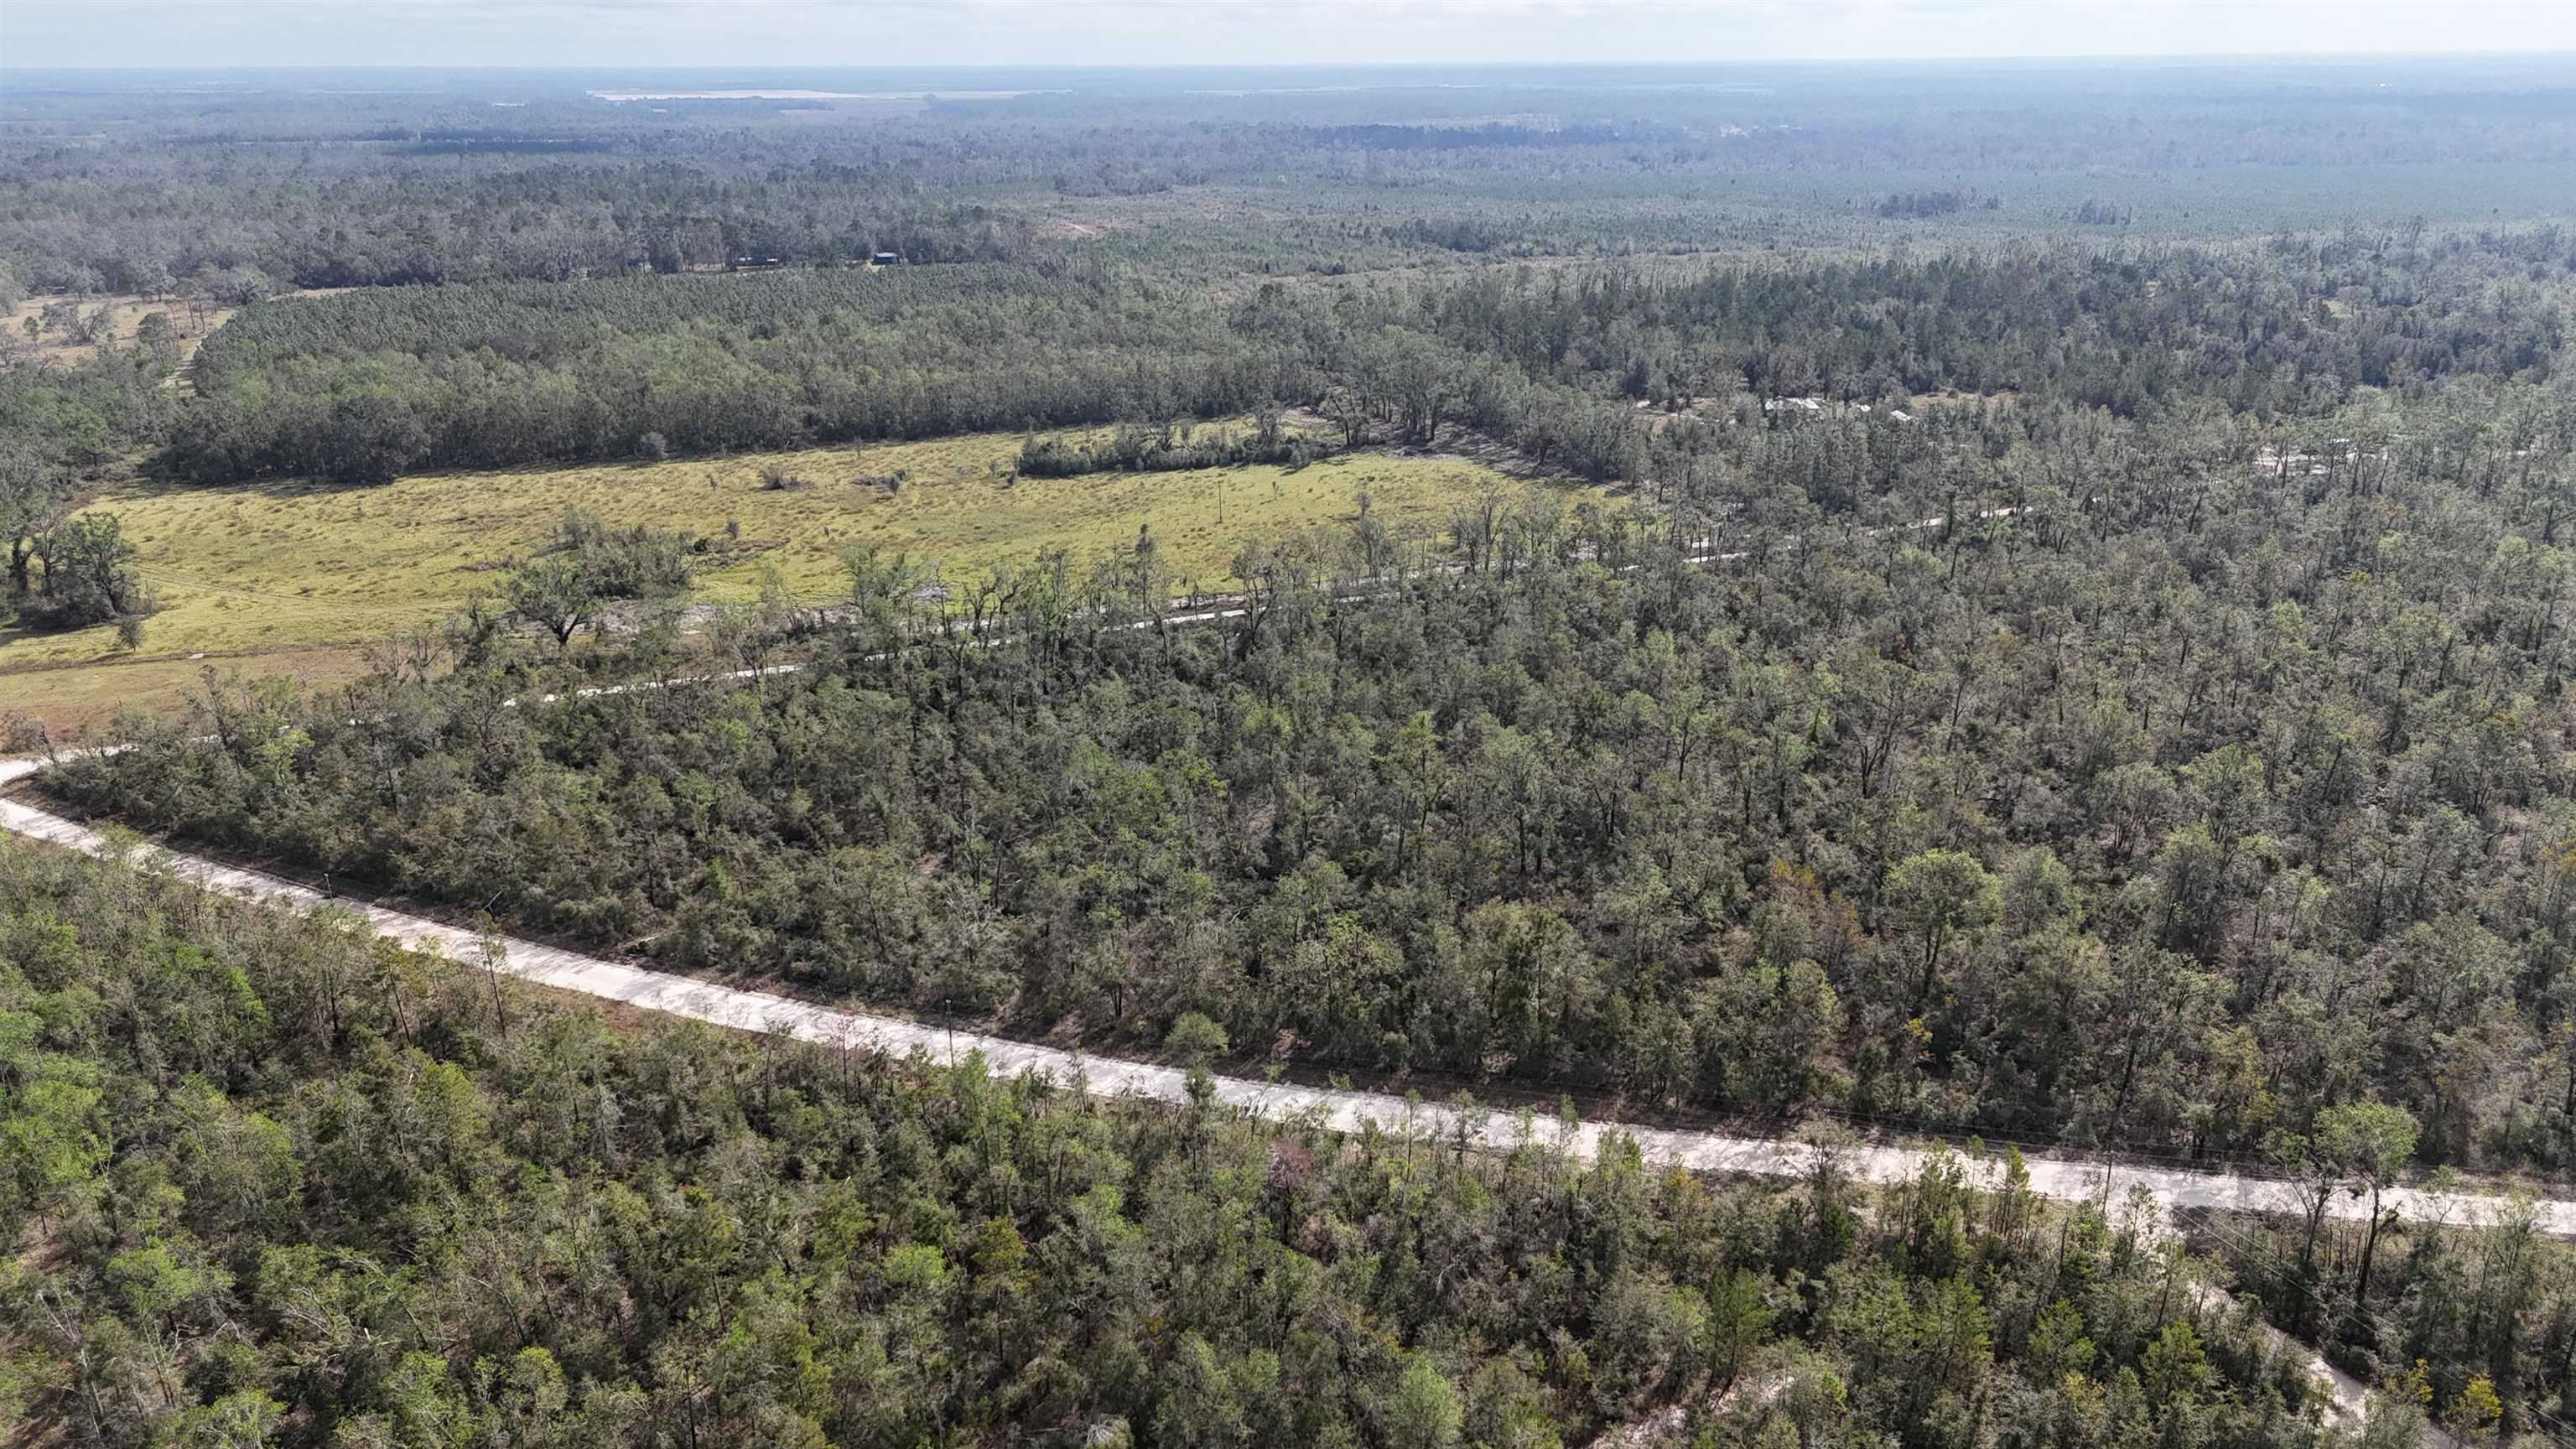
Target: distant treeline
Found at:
139, 188
361, 386
1496, 135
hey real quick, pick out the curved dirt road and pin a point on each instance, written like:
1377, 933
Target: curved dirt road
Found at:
2111, 1184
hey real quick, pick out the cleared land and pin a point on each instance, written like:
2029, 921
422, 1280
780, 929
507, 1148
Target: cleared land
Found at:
64, 346
296, 578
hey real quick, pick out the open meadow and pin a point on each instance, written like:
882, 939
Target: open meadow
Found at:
298, 578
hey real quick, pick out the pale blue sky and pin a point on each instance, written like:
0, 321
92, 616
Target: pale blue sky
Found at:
1096, 32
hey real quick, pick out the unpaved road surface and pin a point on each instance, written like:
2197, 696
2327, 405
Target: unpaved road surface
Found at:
1341, 1110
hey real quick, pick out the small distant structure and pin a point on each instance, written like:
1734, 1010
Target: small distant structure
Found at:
753, 264
886, 259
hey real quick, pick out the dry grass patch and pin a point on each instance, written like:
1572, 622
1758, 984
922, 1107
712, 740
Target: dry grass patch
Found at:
64, 346
296, 568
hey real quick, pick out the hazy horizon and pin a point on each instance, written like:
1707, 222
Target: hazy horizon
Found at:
909, 34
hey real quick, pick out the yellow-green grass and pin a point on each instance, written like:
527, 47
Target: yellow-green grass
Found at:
87, 697
248, 572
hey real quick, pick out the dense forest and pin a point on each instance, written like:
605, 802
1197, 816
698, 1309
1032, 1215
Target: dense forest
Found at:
275, 1183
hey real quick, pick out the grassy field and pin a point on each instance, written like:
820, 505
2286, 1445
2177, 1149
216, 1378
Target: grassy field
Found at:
296, 578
